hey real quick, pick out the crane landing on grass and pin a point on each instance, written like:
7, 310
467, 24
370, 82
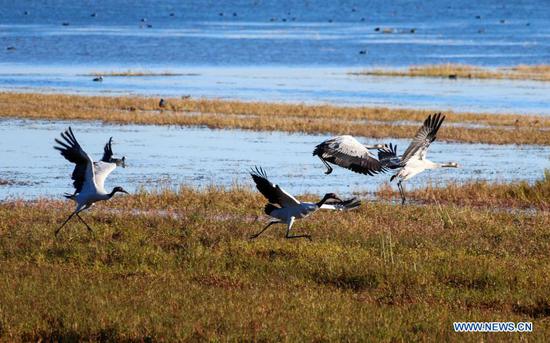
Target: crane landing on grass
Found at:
285, 209
414, 161
89, 176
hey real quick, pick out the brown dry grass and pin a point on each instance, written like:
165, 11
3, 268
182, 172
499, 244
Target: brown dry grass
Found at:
370, 122
382, 272
520, 72
520, 195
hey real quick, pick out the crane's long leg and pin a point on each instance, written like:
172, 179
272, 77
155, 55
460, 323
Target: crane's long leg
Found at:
65, 222
294, 236
401, 191
82, 220
329, 168
265, 228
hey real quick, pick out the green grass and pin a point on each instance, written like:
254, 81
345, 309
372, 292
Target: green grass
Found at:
382, 272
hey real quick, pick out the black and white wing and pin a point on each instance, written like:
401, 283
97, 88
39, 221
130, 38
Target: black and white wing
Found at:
108, 151
83, 173
101, 171
424, 137
345, 205
106, 166
388, 157
347, 152
273, 193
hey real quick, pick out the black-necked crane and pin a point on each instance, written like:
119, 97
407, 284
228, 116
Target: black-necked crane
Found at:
350, 154
285, 209
88, 176
345, 151
413, 161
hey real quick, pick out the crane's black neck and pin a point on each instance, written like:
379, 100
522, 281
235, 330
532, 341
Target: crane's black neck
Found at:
112, 193
322, 201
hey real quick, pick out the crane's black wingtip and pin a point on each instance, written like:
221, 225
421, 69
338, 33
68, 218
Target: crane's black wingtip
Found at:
258, 172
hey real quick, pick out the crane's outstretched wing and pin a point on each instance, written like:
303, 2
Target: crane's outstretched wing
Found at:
102, 170
83, 173
345, 205
273, 193
388, 157
347, 152
108, 151
424, 137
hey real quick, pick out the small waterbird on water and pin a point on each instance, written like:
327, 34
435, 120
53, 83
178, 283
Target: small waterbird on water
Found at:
285, 209
88, 176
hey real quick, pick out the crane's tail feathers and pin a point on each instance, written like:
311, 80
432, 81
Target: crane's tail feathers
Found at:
270, 208
393, 177
70, 196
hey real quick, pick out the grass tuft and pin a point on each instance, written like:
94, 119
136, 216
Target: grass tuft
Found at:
378, 123
454, 71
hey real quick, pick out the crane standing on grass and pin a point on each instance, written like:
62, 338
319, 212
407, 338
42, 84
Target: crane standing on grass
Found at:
285, 209
88, 176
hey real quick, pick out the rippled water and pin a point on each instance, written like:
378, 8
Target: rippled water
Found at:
274, 32
163, 156
309, 85
297, 51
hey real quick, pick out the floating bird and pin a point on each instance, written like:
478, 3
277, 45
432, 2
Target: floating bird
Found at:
98, 78
89, 176
285, 209
414, 161
345, 151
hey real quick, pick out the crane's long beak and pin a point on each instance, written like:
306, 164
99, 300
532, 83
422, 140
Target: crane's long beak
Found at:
374, 146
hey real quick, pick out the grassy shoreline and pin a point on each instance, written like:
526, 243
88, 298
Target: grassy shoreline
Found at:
384, 271
515, 195
318, 119
455, 71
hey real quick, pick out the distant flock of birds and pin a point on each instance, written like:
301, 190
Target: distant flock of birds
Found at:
345, 151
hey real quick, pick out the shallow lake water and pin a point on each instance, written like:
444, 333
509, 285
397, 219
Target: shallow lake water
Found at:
278, 50
168, 156
294, 85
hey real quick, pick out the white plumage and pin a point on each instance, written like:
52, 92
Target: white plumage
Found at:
285, 208
414, 161
345, 151
88, 176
